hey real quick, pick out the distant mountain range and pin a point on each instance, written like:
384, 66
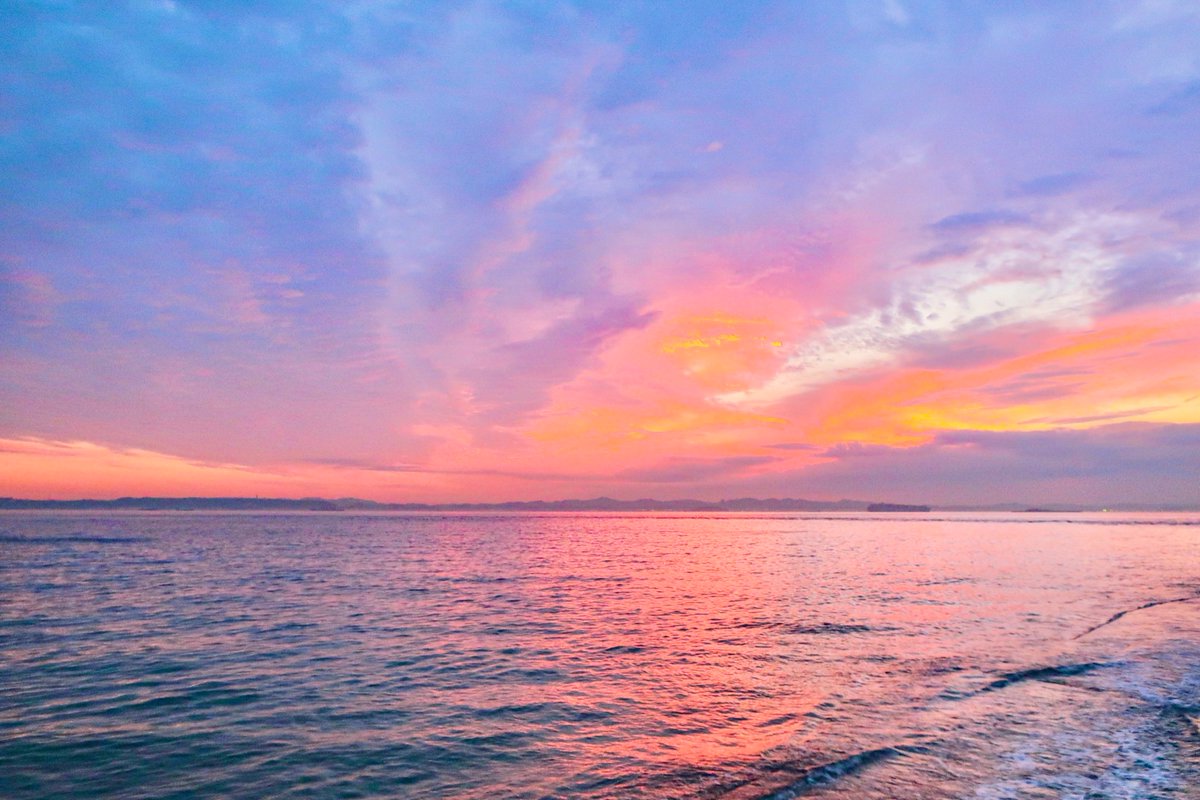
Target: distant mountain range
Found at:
357, 504
744, 504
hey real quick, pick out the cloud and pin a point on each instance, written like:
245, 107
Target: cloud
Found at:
1015, 281
1183, 100
1127, 462
189, 180
1116, 415
27, 300
1054, 185
1039, 384
1153, 279
965, 349
692, 470
969, 222
547, 360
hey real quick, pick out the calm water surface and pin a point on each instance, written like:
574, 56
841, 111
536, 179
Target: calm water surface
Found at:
598, 656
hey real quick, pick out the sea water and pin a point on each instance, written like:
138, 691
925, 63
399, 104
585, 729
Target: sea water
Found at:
193, 655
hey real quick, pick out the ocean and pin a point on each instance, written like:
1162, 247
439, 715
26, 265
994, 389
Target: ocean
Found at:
505, 656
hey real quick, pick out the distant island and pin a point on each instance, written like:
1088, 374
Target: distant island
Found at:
741, 504
896, 507
174, 504
356, 504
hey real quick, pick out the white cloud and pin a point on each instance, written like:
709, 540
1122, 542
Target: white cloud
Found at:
1011, 276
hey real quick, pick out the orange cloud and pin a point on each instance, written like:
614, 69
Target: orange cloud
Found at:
722, 352
609, 428
1131, 367
42, 468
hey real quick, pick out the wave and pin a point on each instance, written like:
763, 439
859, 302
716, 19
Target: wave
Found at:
818, 629
788, 780
80, 538
1142, 607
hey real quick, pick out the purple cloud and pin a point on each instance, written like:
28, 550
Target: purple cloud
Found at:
969, 222
1125, 462
1054, 185
1154, 279
692, 470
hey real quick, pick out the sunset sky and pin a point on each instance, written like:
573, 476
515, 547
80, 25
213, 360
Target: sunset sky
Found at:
915, 251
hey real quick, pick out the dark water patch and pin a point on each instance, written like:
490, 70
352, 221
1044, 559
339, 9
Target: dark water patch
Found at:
382, 719
592, 579
146, 765
199, 698
833, 629
79, 538
1186, 718
540, 710
879, 658
480, 579
782, 719
808, 629
412, 660
946, 581
117, 764
284, 627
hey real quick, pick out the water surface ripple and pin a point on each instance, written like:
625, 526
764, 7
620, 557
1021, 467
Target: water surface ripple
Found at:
185, 655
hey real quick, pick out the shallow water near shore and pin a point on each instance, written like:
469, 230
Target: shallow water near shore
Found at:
728, 656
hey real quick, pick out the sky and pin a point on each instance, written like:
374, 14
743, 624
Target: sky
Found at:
939, 252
